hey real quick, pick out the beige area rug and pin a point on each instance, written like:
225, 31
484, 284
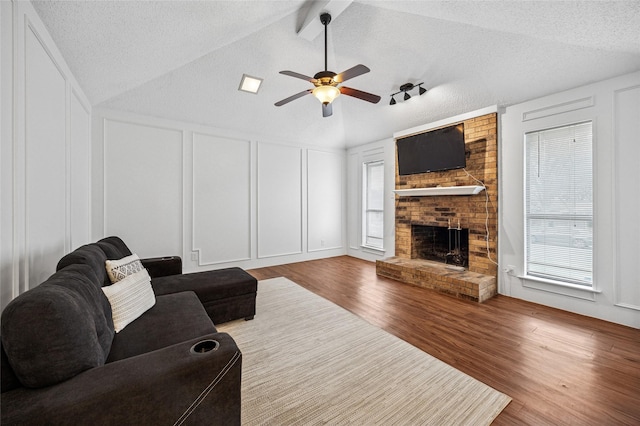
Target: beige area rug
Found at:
309, 361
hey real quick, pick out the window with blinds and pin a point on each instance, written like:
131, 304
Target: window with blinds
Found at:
373, 205
559, 204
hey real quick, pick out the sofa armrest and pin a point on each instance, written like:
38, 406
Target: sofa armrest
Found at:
167, 386
163, 266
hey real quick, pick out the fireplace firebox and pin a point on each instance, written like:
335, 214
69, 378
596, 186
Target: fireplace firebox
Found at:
448, 244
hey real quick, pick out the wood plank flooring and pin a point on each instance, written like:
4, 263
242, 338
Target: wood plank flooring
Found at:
560, 368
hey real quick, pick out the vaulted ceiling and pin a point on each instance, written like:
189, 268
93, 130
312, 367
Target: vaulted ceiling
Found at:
183, 60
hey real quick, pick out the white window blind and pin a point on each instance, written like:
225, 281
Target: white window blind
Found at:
373, 205
559, 204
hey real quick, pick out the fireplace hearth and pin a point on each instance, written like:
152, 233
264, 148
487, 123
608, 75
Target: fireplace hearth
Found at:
449, 245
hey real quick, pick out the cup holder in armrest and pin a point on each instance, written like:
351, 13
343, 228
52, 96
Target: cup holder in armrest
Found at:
204, 346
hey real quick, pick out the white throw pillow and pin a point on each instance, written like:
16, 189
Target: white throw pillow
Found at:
122, 268
130, 298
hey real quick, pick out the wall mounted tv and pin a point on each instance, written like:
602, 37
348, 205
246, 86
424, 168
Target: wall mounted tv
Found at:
437, 150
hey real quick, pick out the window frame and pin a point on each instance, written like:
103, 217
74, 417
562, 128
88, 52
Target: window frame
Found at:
365, 210
550, 279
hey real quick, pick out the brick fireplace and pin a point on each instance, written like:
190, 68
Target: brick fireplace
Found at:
420, 218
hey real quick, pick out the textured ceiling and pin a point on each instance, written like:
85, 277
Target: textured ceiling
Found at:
184, 60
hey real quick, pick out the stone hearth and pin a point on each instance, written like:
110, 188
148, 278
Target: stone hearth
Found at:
435, 276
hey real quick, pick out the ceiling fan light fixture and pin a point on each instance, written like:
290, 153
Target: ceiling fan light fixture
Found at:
326, 94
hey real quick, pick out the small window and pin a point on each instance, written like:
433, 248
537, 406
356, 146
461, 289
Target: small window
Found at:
559, 204
373, 205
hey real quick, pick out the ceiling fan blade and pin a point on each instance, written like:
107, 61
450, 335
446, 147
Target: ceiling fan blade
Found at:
298, 75
293, 97
369, 97
350, 73
327, 110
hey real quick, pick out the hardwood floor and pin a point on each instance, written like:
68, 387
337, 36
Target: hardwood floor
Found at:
560, 368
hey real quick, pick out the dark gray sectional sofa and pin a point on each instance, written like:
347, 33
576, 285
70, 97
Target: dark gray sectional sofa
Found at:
63, 363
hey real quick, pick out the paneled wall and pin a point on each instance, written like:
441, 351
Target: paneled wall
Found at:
279, 200
79, 172
626, 111
614, 108
325, 205
45, 153
217, 160
215, 197
143, 185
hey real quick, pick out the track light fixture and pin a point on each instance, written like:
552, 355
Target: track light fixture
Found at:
406, 88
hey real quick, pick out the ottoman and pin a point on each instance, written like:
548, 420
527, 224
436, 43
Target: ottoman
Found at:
226, 294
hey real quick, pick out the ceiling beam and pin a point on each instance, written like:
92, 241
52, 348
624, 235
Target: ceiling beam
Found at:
312, 27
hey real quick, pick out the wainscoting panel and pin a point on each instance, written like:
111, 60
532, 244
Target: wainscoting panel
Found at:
558, 109
221, 199
354, 199
45, 151
279, 200
80, 173
627, 125
143, 187
324, 200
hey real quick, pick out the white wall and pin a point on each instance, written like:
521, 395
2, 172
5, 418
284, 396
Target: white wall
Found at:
356, 157
44, 153
215, 197
614, 107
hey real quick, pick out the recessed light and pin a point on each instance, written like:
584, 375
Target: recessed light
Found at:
250, 84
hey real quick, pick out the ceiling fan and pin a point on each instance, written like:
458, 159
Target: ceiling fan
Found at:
326, 82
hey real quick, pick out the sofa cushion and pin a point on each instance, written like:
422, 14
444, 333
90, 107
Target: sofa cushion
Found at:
49, 333
173, 319
130, 298
114, 247
119, 269
81, 279
7, 376
91, 255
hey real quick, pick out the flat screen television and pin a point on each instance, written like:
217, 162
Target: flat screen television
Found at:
437, 150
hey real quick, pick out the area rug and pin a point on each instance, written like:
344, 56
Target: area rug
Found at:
308, 361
